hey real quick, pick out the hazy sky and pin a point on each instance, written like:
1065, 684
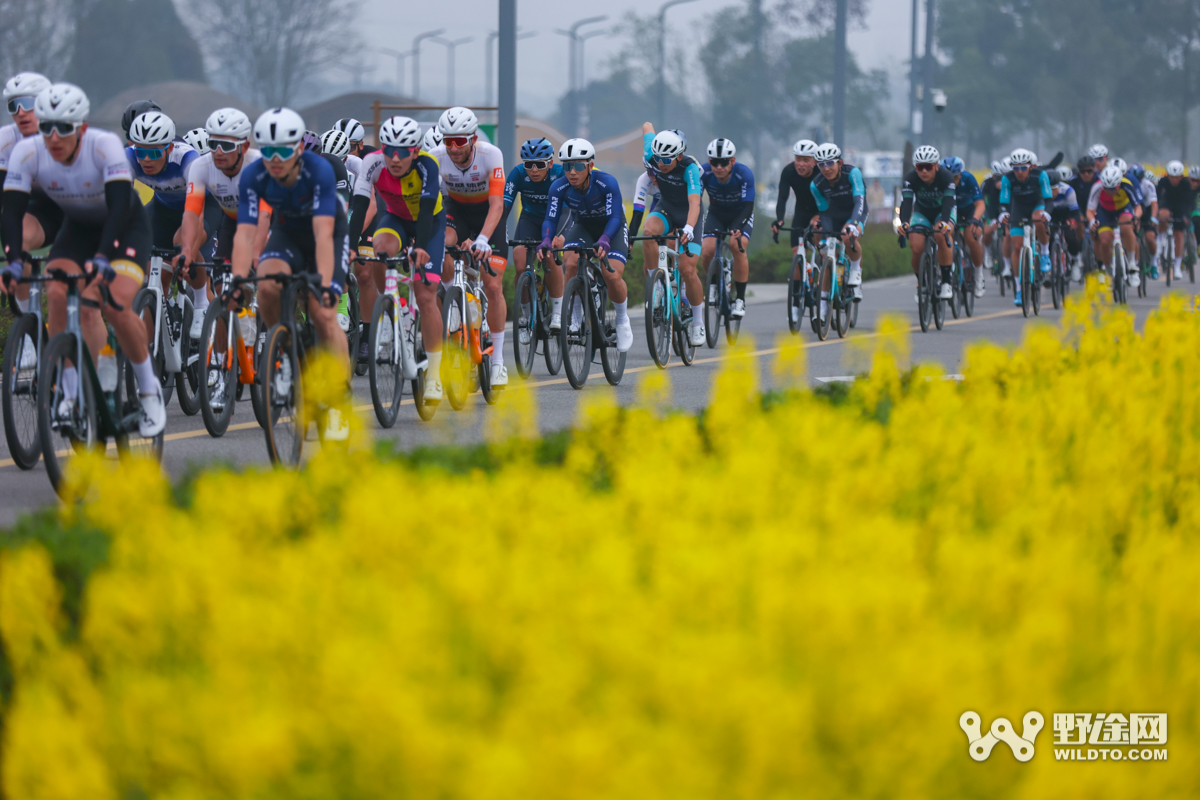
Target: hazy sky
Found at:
542, 60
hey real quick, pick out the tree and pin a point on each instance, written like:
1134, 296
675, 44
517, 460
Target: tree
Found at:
266, 49
104, 66
35, 36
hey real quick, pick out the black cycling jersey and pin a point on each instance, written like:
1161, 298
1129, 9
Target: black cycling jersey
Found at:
1083, 189
1180, 198
792, 181
990, 189
343, 177
931, 199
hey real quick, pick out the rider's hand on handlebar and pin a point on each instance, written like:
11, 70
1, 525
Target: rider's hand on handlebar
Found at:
332, 294
776, 225
11, 274
420, 257
544, 248
99, 265
1003, 218
688, 232
602, 245
481, 246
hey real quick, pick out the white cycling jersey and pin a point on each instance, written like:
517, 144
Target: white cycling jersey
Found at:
9, 136
482, 178
205, 176
77, 188
645, 193
1149, 192
353, 169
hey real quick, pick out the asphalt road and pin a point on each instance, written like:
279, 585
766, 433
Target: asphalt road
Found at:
557, 404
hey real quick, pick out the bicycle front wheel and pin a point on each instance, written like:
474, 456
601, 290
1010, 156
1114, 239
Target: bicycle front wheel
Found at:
795, 301
576, 333
283, 391
456, 360
525, 323
712, 302
69, 428
658, 318
20, 391
925, 291
354, 335
220, 375
956, 284
611, 359
383, 364
187, 380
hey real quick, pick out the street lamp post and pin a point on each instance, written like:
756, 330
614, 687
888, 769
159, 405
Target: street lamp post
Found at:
662, 58
399, 56
489, 84
416, 54
581, 103
450, 46
572, 34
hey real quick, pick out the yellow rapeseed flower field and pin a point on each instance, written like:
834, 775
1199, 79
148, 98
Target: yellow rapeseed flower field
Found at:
790, 599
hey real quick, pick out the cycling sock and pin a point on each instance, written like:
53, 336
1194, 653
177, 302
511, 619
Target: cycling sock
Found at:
147, 381
1178, 262
556, 305
947, 275
622, 310
497, 347
697, 318
435, 363
23, 305
70, 382
740, 288
199, 300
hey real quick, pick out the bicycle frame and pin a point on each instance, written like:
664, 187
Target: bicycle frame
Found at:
404, 321
668, 262
168, 326
467, 276
235, 343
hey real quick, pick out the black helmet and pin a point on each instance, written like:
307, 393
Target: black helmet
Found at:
135, 110
1086, 162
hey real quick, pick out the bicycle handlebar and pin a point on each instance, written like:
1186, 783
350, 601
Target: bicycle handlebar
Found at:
459, 250
588, 251
394, 261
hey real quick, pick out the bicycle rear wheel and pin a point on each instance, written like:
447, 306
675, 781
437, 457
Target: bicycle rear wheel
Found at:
924, 292
576, 332
956, 284
683, 333
794, 308
130, 443
712, 303
143, 306
456, 361
187, 380
424, 411
20, 391
525, 323
77, 431
284, 409
611, 359
217, 389
658, 318
936, 304
354, 335
383, 365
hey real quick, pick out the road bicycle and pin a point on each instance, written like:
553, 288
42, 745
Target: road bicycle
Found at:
803, 292
667, 316
82, 413
1060, 264
963, 284
396, 348
168, 312
832, 266
930, 307
1028, 278
1166, 253
23, 352
589, 321
466, 337
1145, 261
996, 253
718, 298
531, 324
1120, 266
228, 348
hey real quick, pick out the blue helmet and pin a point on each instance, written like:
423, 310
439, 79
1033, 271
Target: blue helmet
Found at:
954, 164
1138, 171
539, 149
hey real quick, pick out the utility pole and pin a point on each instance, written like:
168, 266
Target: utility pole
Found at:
662, 60
914, 126
416, 54
927, 73
450, 48
506, 123
489, 80
399, 56
573, 69
581, 105
839, 75
759, 76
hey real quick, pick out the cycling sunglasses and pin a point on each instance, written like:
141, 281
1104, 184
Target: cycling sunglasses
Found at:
719, 162
224, 145
1020, 168
664, 160
925, 167
456, 141
826, 164
279, 152
575, 166
148, 153
536, 164
1087, 171
20, 104
394, 151
62, 128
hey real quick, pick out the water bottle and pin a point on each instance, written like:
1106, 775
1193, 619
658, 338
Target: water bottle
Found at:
247, 324
106, 369
474, 314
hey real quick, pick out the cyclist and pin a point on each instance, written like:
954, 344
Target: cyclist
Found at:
1194, 180
1024, 194
308, 232
730, 187
1145, 182
532, 179
43, 218
406, 178
356, 134
216, 175
928, 201
1177, 198
1114, 201
135, 110
432, 140
969, 205
990, 189
644, 193
679, 184
597, 219
473, 184
104, 233
161, 163
1064, 211
842, 204
1099, 156
337, 144
197, 138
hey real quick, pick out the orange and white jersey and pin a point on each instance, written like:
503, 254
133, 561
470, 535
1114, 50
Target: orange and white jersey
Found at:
204, 176
482, 178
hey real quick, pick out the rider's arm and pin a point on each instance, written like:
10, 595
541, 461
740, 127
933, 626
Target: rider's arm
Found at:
785, 189
249, 209
859, 191
1047, 192
906, 201
193, 212
431, 183
510, 185
118, 192
495, 200
326, 206
12, 222
1005, 195
692, 178
553, 203
616, 214
243, 248
819, 197
948, 201
323, 251
364, 189
977, 210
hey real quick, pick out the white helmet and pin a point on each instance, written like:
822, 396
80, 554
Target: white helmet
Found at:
805, 147
828, 151
1098, 151
152, 129
667, 144
1022, 156
61, 102
721, 148
228, 123
458, 121
1065, 173
198, 139
351, 127
577, 150
926, 154
1111, 177
432, 139
1194, 172
399, 132
997, 168
25, 84
278, 126
1120, 164
336, 144
1006, 165
1175, 168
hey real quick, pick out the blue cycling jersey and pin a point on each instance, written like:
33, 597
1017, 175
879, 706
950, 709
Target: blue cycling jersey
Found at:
314, 194
170, 184
965, 196
1065, 200
600, 202
1032, 193
534, 194
677, 185
846, 198
728, 197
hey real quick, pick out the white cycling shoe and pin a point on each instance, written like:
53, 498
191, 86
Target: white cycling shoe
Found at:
433, 390
337, 427
154, 414
1135, 279
28, 354
946, 292
697, 336
216, 382
854, 276
1076, 274
738, 310
344, 322
624, 336
1178, 274
1007, 272
556, 321
979, 286
499, 375
197, 324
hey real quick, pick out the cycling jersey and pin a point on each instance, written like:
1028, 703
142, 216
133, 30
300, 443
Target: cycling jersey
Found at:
844, 200
1028, 195
353, 168
966, 194
646, 190
1083, 189
314, 194
1123, 198
934, 200
1149, 192
1178, 198
169, 183
481, 178
9, 135
990, 189
534, 194
600, 202
77, 188
676, 186
342, 177
415, 197
205, 177
1065, 200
